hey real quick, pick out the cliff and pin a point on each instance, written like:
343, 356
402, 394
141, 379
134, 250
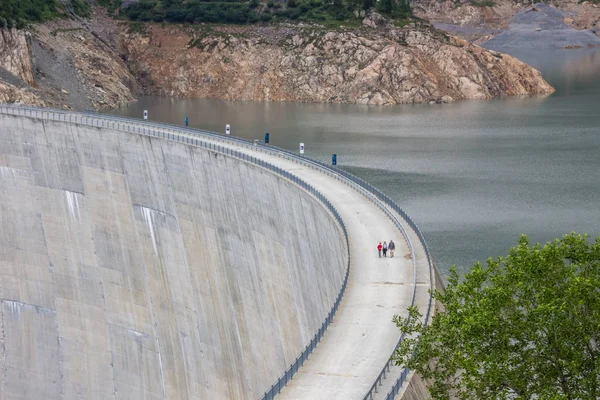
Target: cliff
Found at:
65, 64
100, 63
365, 66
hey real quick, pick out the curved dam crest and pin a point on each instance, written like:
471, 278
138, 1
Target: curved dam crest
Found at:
133, 267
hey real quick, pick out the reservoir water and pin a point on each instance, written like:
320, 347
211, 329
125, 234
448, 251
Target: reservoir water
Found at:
474, 175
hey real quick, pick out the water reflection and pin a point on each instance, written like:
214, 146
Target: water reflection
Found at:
473, 174
571, 72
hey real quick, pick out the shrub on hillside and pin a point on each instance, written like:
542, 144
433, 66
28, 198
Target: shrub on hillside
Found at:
249, 11
23, 11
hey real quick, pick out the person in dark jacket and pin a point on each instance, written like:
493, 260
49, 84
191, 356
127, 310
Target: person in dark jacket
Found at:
391, 248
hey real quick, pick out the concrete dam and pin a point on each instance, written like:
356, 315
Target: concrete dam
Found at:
146, 261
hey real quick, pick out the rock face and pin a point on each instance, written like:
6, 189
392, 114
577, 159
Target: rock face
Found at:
14, 55
65, 64
102, 64
383, 66
14, 94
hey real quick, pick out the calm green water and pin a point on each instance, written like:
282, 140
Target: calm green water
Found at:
474, 175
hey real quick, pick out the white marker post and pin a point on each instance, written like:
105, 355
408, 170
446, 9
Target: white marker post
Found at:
301, 148
145, 114
227, 129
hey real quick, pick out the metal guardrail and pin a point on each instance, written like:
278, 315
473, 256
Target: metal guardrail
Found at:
391, 204
384, 202
107, 123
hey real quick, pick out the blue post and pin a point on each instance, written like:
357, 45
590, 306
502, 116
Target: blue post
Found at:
187, 121
334, 159
267, 137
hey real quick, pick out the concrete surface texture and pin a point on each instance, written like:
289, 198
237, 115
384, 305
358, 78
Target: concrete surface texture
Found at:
361, 339
358, 344
138, 268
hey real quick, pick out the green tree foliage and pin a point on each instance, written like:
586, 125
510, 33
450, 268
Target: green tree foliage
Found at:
249, 11
111, 5
395, 8
18, 12
402, 9
80, 7
386, 6
525, 326
232, 12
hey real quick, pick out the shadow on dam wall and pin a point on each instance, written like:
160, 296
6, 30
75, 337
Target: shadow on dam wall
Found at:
138, 268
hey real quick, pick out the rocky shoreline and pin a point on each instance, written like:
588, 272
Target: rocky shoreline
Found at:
101, 64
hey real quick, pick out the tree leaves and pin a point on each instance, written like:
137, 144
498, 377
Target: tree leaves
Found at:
524, 326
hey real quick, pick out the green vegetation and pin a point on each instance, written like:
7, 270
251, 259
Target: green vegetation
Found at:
81, 8
136, 27
64, 30
483, 3
252, 11
18, 13
327, 12
111, 5
525, 326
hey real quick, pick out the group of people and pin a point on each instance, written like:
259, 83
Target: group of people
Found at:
385, 247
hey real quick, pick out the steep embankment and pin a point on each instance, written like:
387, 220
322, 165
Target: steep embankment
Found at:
138, 268
65, 63
101, 63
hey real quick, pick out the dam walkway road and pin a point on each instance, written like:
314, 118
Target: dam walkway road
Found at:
358, 344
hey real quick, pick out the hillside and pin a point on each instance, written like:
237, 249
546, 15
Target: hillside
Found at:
102, 62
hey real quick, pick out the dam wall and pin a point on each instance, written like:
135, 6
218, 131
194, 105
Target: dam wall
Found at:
141, 268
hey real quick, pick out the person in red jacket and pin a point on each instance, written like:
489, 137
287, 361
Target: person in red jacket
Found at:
379, 247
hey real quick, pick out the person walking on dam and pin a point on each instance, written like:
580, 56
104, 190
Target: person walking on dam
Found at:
379, 247
385, 247
392, 247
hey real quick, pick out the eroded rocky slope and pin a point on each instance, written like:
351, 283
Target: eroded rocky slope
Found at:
66, 64
367, 66
99, 64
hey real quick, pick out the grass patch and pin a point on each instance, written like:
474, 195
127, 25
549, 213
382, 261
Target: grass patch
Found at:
64, 30
401, 23
137, 27
483, 3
